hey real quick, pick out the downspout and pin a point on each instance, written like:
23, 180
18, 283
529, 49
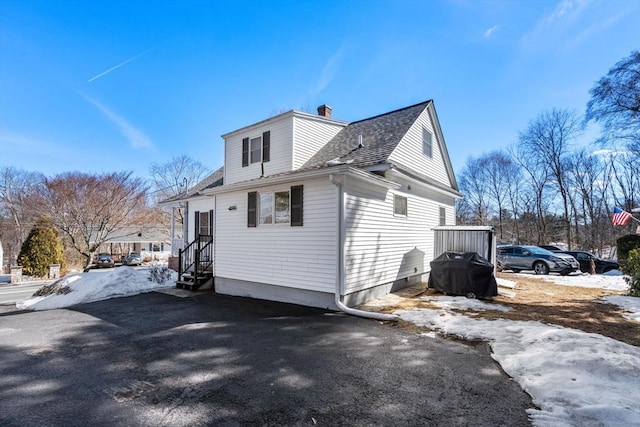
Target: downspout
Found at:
340, 286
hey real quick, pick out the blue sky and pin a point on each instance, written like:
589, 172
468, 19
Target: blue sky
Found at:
117, 85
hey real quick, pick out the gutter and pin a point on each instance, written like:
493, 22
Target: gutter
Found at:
338, 181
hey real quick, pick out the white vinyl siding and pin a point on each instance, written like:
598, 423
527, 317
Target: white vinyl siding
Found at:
409, 152
382, 247
298, 257
310, 135
280, 151
198, 205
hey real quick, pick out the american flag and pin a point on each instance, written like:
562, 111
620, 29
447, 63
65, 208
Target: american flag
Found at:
620, 217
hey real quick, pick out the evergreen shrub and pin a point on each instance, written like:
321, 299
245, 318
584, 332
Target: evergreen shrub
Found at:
42, 248
632, 268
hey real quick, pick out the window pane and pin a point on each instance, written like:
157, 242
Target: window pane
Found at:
266, 208
204, 223
443, 216
400, 205
282, 207
256, 149
426, 143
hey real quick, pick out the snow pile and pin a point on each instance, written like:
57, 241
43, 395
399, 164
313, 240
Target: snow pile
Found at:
89, 287
630, 305
574, 377
460, 303
613, 280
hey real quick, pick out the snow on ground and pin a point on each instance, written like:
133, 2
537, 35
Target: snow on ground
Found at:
574, 377
95, 286
630, 305
612, 280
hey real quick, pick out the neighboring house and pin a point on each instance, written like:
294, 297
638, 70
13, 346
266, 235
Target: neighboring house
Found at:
308, 208
151, 241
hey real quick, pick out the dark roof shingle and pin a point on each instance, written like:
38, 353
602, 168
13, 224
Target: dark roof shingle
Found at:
380, 136
213, 180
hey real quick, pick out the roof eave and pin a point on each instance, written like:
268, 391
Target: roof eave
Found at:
302, 175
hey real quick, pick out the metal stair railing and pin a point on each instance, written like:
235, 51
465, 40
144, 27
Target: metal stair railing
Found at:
197, 257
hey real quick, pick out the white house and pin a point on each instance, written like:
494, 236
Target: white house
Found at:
316, 211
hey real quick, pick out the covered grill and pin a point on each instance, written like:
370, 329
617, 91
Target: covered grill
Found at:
466, 274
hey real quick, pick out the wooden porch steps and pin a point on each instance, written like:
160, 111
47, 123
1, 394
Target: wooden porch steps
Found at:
191, 282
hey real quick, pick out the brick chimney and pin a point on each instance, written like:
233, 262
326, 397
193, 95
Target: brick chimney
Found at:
324, 110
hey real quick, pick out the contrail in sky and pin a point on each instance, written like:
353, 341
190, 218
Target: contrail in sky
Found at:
136, 137
119, 65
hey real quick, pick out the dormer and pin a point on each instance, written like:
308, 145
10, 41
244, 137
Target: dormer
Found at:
280, 144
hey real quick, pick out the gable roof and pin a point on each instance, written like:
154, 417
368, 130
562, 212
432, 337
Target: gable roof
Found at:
213, 180
380, 136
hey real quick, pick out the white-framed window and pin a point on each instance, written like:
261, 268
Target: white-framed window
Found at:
281, 204
443, 216
427, 144
277, 207
266, 208
274, 207
203, 223
399, 205
255, 149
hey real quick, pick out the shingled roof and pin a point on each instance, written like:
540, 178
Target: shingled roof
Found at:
213, 180
380, 136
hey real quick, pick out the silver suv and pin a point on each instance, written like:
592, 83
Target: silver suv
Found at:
542, 261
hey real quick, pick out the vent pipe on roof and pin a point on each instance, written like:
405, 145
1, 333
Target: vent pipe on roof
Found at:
360, 145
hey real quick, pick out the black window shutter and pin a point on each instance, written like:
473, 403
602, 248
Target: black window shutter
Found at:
296, 205
196, 223
266, 146
211, 222
245, 152
251, 209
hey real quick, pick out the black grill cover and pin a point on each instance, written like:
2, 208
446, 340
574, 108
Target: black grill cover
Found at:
462, 274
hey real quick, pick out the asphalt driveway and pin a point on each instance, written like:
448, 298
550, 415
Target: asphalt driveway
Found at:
159, 360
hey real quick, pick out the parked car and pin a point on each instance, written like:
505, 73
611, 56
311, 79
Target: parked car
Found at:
551, 248
584, 258
104, 260
542, 261
132, 259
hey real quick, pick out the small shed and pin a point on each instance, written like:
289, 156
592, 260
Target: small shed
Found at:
465, 238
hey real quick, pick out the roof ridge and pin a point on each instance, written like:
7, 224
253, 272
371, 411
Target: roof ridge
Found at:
391, 112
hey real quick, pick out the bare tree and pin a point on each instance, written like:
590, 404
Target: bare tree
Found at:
20, 196
473, 185
499, 171
615, 101
174, 176
626, 178
588, 179
538, 177
89, 208
546, 141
